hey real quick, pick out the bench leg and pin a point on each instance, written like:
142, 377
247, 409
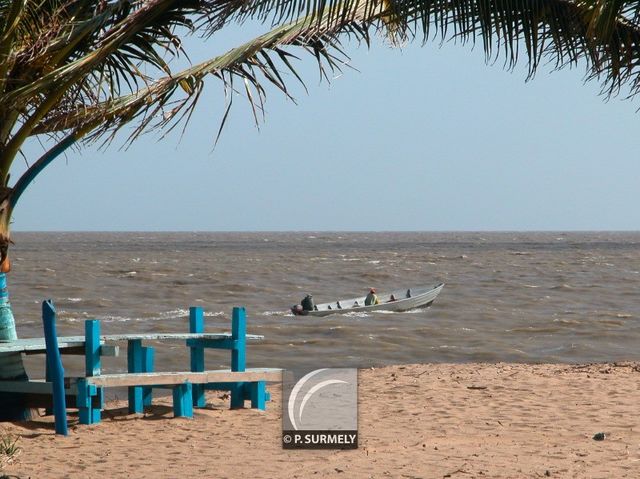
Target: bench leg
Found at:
183, 400
196, 325
237, 395
86, 412
258, 392
134, 365
147, 392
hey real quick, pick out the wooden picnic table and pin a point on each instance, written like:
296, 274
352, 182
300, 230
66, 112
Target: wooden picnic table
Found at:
86, 392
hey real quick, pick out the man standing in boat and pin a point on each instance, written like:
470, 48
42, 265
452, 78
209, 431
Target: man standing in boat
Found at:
371, 298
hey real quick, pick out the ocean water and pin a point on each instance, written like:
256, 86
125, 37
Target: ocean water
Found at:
523, 297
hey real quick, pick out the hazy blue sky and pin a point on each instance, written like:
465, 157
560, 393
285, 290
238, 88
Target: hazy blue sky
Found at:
426, 138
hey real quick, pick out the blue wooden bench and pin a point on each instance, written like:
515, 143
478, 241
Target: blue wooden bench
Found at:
87, 393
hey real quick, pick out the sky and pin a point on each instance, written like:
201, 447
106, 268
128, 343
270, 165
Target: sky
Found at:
419, 139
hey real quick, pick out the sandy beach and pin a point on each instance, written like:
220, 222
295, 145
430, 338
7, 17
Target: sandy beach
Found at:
415, 421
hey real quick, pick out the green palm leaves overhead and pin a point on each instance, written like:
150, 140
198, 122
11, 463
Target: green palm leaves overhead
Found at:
74, 69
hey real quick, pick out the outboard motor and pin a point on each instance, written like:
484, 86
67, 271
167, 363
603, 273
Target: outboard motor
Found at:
297, 310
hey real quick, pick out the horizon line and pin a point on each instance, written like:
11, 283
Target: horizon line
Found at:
342, 231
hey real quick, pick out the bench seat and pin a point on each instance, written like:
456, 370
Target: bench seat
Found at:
175, 378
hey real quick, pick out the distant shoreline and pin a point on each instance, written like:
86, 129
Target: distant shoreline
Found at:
311, 231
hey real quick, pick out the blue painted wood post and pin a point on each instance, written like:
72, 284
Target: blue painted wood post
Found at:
92, 365
258, 394
55, 367
147, 367
134, 365
84, 401
196, 325
238, 353
183, 400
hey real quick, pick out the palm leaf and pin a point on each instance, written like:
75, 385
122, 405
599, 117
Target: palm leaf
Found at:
264, 58
96, 66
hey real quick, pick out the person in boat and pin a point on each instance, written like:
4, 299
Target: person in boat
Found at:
307, 303
372, 298
392, 299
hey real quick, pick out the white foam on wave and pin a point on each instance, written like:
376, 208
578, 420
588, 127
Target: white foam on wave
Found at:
114, 319
357, 314
567, 321
74, 300
273, 313
375, 261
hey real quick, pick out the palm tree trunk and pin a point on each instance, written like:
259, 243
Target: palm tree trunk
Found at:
12, 407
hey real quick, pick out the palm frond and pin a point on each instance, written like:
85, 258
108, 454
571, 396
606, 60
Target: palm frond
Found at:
264, 58
97, 65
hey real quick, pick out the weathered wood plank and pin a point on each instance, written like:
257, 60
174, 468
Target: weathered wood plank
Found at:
37, 345
27, 387
166, 378
171, 336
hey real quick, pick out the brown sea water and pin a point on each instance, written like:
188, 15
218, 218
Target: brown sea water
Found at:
525, 297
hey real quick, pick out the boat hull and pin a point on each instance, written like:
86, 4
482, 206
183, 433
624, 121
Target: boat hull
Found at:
419, 298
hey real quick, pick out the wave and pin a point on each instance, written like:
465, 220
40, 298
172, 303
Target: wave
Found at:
356, 314
274, 313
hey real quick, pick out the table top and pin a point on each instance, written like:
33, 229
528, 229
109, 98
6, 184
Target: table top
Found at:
65, 342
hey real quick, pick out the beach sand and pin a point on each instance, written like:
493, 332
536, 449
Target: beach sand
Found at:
415, 421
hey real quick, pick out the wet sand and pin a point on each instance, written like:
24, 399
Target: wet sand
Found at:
415, 421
